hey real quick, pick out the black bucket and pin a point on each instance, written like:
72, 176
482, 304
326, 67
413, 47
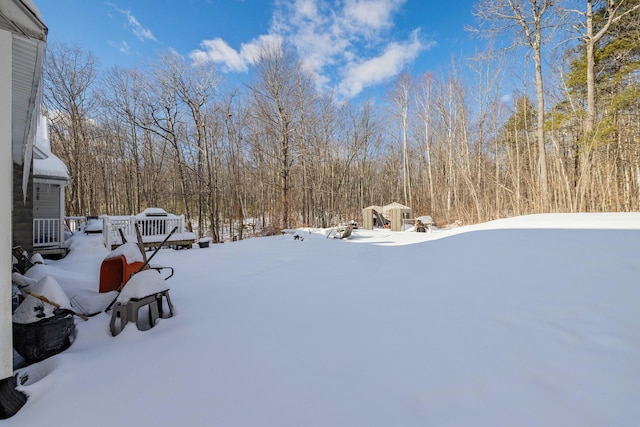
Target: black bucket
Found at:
38, 340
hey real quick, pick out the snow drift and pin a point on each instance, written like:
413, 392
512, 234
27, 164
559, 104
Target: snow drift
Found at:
530, 321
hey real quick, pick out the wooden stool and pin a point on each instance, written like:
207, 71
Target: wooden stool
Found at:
118, 318
129, 312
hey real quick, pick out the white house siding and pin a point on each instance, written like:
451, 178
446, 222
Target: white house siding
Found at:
6, 190
47, 214
46, 200
21, 30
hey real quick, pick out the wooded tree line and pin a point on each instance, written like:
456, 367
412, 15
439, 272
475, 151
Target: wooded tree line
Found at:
277, 152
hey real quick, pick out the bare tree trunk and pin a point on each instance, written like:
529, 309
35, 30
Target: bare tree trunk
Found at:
69, 75
611, 12
401, 98
531, 17
542, 159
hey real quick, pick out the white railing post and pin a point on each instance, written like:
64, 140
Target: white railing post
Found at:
75, 222
131, 231
46, 232
181, 224
106, 231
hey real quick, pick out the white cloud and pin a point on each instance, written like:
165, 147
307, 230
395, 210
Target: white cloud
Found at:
123, 47
372, 14
175, 53
219, 52
369, 72
307, 8
251, 50
141, 32
507, 99
346, 39
134, 25
346, 44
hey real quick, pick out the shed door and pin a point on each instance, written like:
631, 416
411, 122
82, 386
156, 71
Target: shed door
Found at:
46, 200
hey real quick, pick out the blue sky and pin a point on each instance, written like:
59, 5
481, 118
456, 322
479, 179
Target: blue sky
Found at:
351, 46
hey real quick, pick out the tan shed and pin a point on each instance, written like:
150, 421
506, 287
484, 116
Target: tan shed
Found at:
390, 216
397, 213
370, 217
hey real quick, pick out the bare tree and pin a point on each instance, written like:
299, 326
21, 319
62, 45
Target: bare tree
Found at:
162, 105
196, 85
278, 89
70, 74
425, 102
400, 96
527, 22
122, 97
282, 154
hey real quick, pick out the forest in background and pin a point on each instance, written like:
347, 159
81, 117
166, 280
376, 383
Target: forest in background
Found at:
276, 152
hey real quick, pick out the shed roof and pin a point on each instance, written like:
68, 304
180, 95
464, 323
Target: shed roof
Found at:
394, 205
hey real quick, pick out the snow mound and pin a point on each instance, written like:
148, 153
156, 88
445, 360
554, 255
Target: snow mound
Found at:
142, 284
21, 280
130, 250
34, 309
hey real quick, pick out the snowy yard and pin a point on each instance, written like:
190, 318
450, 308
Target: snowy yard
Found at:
529, 321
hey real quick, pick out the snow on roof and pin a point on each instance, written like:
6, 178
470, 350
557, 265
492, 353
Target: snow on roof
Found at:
42, 135
426, 219
387, 208
22, 17
32, 8
394, 205
45, 163
51, 167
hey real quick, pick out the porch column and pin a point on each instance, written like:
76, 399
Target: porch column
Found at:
11, 400
61, 227
6, 194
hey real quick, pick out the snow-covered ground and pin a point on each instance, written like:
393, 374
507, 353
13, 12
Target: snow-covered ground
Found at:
528, 321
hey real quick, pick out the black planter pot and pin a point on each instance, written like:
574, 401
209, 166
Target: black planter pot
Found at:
11, 400
203, 244
42, 339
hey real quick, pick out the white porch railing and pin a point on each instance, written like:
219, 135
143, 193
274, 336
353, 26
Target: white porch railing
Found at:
46, 232
149, 226
74, 223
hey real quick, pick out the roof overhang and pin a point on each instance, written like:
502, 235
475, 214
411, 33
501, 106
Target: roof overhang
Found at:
54, 180
22, 17
28, 55
29, 34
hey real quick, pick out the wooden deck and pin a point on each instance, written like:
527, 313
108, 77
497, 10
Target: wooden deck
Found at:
171, 243
52, 253
154, 231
